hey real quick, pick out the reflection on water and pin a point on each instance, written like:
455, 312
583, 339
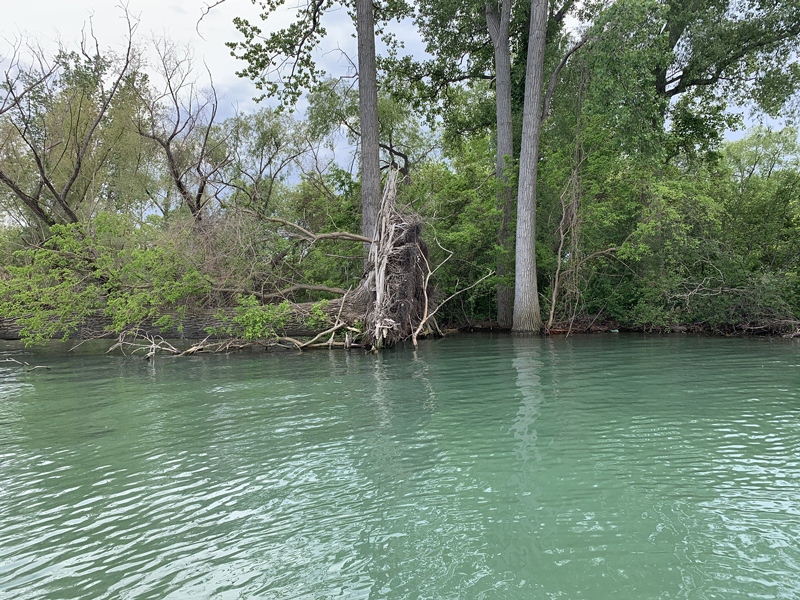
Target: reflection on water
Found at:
474, 467
528, 366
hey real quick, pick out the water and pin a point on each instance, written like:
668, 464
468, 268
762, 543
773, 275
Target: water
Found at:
600, 467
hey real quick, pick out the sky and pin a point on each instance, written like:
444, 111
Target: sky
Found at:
51, 21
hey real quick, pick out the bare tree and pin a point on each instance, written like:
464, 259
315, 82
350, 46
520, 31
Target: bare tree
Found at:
180, 118
263, 147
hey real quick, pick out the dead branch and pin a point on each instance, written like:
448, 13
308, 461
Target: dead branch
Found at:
333, 329
155, 344
426, 316
282, 293
338, 319
292, 341
313, 237
25, 364
199, 347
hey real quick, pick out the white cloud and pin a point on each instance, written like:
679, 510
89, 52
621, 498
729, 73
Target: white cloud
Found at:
51, 22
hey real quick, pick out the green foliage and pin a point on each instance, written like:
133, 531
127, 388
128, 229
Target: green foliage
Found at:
458, 202
698, 122
111, 267
255, 321
282, 63
47, 294
317, 318
293, 44
626, 44
715, 245
743, 51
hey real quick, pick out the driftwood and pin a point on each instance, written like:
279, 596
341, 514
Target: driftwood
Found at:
25, 364
142, 341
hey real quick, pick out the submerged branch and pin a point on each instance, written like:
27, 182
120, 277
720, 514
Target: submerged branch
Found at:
25, 364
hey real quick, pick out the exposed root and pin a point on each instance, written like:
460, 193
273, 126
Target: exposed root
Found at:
395, 277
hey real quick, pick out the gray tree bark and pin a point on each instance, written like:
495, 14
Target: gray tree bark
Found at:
368, 111
499, 24
527, 312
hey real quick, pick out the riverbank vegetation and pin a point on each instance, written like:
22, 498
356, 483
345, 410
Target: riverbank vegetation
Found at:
549, 177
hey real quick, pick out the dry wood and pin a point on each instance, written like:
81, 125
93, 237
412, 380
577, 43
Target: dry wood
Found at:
25, 364
152, 345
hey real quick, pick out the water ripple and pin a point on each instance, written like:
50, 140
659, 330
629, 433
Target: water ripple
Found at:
481, 467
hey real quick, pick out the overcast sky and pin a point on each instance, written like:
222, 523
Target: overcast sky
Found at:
49, 21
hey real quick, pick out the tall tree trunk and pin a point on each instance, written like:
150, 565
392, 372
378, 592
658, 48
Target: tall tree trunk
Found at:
368, 110
498, 25
527, 313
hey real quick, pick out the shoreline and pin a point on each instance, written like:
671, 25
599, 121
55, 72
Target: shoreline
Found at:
194, 327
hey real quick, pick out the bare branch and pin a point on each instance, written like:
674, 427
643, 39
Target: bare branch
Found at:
204, 10
551, 87
13, 75
282, 293
311, 237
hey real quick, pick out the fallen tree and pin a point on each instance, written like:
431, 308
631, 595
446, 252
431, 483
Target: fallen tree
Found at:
393, 301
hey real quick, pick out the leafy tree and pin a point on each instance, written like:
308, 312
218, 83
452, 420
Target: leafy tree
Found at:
51, 157
282, 64
110, 266
762, 203
264, 149
745, 50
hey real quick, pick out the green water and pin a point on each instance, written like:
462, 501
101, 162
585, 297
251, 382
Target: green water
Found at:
600, 467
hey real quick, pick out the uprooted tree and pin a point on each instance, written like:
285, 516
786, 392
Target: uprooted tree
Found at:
394, 300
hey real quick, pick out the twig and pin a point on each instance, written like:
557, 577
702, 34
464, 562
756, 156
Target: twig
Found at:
199, 347
338, 317
425, 315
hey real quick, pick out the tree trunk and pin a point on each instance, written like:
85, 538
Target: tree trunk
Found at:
527, 313
368, 111
499, 25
